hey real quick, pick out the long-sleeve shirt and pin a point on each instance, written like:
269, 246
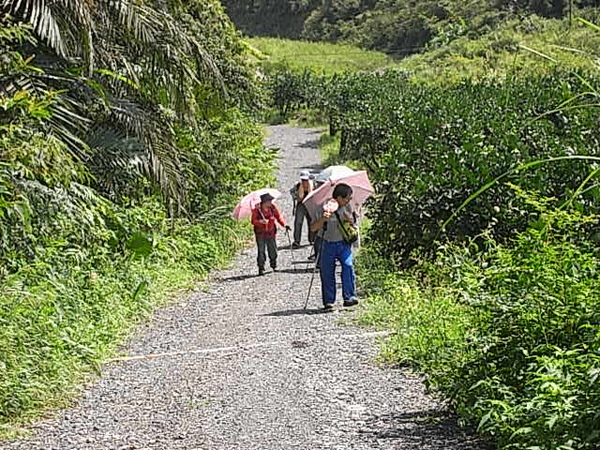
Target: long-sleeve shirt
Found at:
272, 215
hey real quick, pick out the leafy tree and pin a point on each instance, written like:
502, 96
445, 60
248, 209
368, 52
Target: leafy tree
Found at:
398, 27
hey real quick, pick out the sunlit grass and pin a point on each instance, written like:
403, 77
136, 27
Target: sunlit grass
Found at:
321, 57
508, 51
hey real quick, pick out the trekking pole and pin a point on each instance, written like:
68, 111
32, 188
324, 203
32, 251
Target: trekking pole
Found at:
287, 233
318, 256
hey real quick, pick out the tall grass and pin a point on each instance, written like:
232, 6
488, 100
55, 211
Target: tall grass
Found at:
60, 318
503, 52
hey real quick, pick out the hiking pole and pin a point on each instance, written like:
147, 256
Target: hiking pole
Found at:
317, 257
287, 233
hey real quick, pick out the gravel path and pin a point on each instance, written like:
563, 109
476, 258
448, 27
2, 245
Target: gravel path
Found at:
242, 366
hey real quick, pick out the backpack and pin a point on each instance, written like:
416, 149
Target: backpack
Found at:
347, 230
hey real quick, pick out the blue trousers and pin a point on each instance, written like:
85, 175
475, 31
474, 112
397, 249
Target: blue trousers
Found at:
341, 252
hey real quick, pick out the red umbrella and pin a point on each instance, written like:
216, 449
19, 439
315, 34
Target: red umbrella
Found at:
248, 203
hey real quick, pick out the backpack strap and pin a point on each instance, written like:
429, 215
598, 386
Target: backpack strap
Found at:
339, 224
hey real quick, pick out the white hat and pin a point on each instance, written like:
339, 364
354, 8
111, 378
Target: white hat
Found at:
305, 175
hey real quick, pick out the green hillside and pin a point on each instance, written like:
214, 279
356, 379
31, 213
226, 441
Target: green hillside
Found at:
535, 45
396, 27
322, 57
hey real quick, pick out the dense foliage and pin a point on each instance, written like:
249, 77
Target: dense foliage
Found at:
429, 147
398, 27
118, 166
510, 335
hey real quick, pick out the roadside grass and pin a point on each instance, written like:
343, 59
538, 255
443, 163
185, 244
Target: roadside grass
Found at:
60, 326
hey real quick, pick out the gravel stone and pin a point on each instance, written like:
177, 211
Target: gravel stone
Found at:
241, 365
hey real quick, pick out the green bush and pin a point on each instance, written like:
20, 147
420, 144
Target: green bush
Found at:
509, 332
429, 148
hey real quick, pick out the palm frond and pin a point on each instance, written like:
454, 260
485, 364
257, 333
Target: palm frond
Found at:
66, 26
117, 161
157, 43
66, 122
40, 15
156, 136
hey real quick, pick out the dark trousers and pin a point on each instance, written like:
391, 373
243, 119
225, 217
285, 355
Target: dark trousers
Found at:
265, 245
301, 214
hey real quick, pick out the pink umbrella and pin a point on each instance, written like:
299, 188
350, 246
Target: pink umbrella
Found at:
248, 203
358, 181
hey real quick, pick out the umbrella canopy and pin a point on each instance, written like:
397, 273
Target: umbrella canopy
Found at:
333, 173
358, 181
248, 203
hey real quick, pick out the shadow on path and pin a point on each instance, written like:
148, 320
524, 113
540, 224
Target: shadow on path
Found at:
237, 278
297, 312
313, 143
297, 271
436, 429
287, 247
314, 168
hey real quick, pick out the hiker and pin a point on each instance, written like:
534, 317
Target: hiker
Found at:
264, 218
335, 247
299, 192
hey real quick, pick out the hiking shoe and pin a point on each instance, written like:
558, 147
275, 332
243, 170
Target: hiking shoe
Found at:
274, 268
351, 302
261, 272
296, 245
328, 306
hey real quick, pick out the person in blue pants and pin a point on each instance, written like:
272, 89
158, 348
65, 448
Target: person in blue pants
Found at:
336, 249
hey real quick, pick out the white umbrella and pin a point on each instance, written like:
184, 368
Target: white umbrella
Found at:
333, 173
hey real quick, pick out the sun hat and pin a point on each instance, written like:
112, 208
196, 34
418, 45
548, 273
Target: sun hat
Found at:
305, 175
266, 198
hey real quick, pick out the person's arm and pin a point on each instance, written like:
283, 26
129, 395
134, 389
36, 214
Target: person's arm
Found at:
317, 224
277, 215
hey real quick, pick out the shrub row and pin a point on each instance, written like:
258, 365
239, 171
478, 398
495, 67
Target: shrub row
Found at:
430, 148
